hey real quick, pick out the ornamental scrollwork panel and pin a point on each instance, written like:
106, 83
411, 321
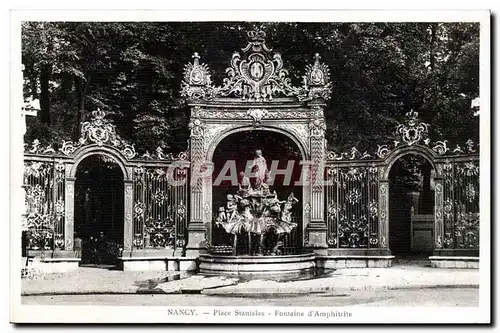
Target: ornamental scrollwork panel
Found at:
267, 114
412, 131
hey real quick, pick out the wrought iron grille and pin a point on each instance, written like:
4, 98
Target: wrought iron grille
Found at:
292, 242
44, 205
352, 207
160, 211
461, 205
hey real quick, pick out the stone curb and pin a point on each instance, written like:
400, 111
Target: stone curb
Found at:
250, 291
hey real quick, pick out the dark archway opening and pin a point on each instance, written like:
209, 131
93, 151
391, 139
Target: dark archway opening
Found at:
99, 205
411, 207
240, 149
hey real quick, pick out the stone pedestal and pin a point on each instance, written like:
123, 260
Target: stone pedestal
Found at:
354, 258
454, 262
316, 238
54, 261
348, 261
159, 264
414, 200
196, 239
156, 260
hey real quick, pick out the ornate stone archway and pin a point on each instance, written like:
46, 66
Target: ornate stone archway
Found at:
98, 137
256, 95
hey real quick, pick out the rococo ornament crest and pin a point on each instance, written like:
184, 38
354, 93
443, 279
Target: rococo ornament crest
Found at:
410, 132
256, 75
102, 132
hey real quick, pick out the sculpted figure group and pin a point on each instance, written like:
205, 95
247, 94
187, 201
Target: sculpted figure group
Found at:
256, 211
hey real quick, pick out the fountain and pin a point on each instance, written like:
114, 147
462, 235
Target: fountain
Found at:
256, 212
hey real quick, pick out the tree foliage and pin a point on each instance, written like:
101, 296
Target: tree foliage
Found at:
133, 70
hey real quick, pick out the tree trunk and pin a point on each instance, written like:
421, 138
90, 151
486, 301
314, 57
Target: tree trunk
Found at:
81, 90
79, 97
45, 75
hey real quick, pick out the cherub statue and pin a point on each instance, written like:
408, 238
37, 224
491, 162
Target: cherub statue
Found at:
259, 188
265, 189
231, 207
258, 184
275, 204
244, 186
221, 217
286, 215
247, 213
284, 225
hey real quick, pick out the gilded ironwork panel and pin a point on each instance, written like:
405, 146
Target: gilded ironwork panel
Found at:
160, 207
351, 196
461, 205
43, 219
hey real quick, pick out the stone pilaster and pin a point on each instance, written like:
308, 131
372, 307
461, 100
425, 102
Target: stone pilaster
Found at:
69, 207
128, 231
383, 197
306, 206
317, 229
438, 215
196, 228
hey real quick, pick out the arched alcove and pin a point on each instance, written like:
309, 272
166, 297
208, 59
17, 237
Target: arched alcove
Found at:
99, 209
237, 151
411, 206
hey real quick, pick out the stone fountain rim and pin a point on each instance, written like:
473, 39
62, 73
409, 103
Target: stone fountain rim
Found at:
247, 258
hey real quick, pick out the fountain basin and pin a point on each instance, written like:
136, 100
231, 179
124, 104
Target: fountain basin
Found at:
284, 267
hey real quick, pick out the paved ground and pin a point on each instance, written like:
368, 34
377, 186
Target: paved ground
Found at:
456, 297
103, 281
94, 280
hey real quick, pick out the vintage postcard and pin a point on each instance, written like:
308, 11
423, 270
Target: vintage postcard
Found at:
257, 167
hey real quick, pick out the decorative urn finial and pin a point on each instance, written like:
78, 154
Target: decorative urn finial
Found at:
196, 58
